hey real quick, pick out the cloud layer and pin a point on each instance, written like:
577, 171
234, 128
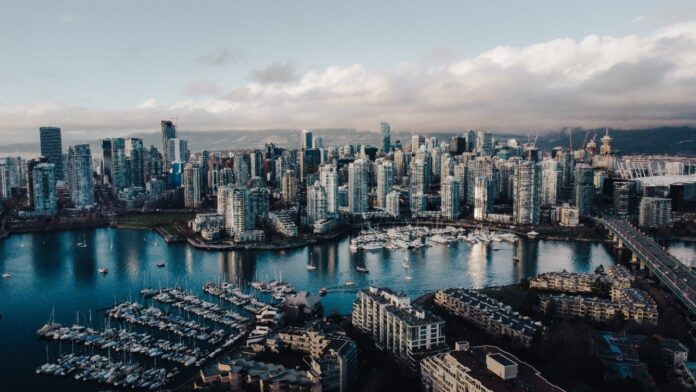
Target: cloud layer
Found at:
629, 81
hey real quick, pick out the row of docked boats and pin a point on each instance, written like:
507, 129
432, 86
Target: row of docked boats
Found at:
234, 295
414, 237
153, 317
122, 340
193, 304
103, 370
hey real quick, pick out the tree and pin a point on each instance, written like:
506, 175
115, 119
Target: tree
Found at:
650, 352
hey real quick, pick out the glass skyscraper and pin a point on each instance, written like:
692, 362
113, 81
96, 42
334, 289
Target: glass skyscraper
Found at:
52, 149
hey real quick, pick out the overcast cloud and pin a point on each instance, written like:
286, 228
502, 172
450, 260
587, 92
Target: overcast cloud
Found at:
622, 81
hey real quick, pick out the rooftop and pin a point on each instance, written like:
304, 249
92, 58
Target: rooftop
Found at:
528, 378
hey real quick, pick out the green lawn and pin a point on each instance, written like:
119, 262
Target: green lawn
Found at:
155, 219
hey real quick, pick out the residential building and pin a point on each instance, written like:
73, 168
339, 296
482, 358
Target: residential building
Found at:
192, 185
631, 304
483, 198
551, 181
655, 212
584, 188
288, 187
80, 178
488, 314
449, 196
282, 223
526, 194
45, 196
328, 178
481, 369
357, 186
332, 357
316, 203
385, 180
408, 332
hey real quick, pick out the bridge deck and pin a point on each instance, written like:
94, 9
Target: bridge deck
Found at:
670, 271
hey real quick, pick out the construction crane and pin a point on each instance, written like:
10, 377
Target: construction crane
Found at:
584, 142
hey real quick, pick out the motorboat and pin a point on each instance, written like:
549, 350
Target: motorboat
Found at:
103, 270
6, 275
349, 283
322, 291
160, 264
362, 269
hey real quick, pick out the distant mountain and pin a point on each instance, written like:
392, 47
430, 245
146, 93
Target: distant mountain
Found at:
664, 140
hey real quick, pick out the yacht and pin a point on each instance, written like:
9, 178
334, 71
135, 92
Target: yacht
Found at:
322, 292
406, 265
362, 269
103, 270
409, 277
160, 264
532, 234
6, 275
349, 283
311, 267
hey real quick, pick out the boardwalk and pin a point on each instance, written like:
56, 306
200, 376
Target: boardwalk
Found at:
665, 267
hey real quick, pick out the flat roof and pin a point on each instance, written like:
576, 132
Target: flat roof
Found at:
502, 359
528, 378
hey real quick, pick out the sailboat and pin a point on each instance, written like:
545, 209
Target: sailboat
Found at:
311, 266
82, 243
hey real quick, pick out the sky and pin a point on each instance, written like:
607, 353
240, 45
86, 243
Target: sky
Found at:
108, 68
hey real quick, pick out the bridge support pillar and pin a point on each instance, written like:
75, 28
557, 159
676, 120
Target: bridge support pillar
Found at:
634, 258
642, 265
620, 244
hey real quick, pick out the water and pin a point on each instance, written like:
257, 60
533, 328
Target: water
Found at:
51, 271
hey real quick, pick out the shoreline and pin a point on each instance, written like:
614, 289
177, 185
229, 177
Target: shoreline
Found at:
198, 243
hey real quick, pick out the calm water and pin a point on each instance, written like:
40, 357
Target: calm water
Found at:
51, 271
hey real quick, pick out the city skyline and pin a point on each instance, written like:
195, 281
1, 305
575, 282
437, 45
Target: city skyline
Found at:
533, 67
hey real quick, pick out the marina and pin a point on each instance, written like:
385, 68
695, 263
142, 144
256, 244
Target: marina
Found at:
416, 237
102, 370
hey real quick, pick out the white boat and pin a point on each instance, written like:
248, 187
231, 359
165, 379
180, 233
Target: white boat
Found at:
406, 265
349, 283
311, 267
6, 275
103, 270
532, 234
409, 277
362, 269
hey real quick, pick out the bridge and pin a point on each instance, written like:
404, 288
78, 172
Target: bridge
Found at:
666, 268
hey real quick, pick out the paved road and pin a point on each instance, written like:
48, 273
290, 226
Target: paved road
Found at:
670, 271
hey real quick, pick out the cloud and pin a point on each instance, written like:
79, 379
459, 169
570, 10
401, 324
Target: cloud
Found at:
596, 81
201, 88
222, 56
276, 73
147, 104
